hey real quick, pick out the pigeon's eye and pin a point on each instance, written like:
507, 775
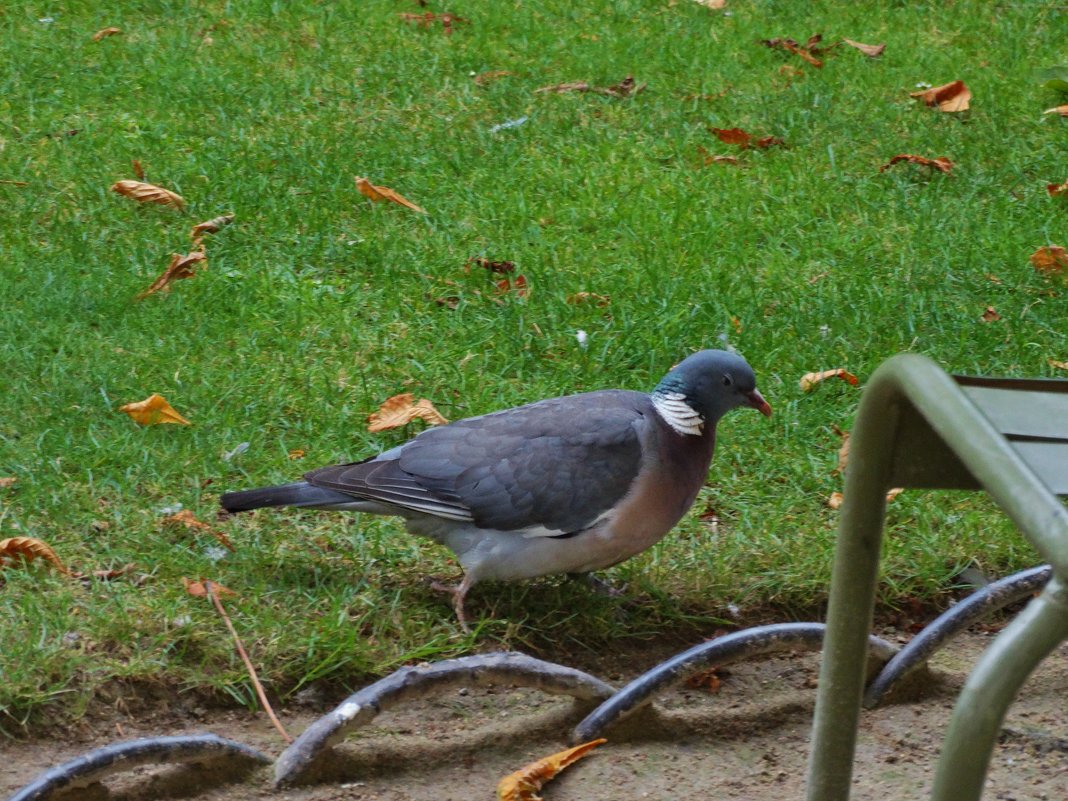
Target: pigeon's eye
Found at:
727, 381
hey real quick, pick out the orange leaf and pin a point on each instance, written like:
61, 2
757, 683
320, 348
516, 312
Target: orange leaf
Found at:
525, 783
942, 163
148, 193
835, 500
153, 410
872, 51
29, 549
1052, 260
104, 33
402, 409
950, 97
707, 680
297, 453
177, 269
139, 170
212, 226
7, 481
187, 519
843, 452
809, 380
380, 193
733, 136
198, 590
990, 315
1062, 110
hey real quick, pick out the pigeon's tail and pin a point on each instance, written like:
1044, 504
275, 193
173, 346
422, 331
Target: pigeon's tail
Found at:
299, 494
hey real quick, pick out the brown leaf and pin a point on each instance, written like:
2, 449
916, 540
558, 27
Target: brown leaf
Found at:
872, 51
425, 20
524, 784
138, 170
809, 380
804, 51
297, 453
707, 680
498, 267
589, 297
148, 193
894, 493
29, 548
843, 452
198, 590
518, 286
835, 499
990, 315
715, 5
180, 267
107, 574
949, 97
402, 409
1058, 365
153, 410
188, 520
710, 158
7, 481
1062, 110
380, 193
1051, 260
942, 163
484, 78
212, 226
736, 136
104, 33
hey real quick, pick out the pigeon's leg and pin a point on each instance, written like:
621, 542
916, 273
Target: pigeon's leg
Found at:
599, 586
458, 593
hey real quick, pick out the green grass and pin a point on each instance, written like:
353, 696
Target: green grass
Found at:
317, 305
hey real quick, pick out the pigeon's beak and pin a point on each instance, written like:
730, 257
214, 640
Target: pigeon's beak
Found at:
756, 400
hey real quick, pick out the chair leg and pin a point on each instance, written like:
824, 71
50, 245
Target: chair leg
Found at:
991, 687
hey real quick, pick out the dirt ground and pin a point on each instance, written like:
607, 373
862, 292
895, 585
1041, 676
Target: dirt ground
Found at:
746, 741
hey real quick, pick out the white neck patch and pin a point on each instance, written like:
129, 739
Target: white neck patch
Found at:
678, 414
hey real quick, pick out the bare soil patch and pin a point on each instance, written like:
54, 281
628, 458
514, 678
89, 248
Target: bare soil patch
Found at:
747, 741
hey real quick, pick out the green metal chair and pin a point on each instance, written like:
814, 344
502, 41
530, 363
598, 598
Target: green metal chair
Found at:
919, 427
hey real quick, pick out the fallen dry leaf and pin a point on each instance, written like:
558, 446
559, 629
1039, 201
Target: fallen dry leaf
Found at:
180, 267
188, 520
153, 410
950, 97
625, 88
942, 163
402, 409
990, 315
212, 226
148, 193
809, 380
1058, 365
707, 680
518, 286
715, 5
104, 33
7, 481
524, 784
107, 574
499, 267
843, 451
138, 169
1062, 110
805, 51
1057, 190
835, 500
380, 193
198, 590
711, 158
894, 493
29, 548
872, 51
736, 136
426, 19
297, 453
484, 78
1051, 260
589, 297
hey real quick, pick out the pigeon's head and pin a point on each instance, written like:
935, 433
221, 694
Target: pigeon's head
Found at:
705, 386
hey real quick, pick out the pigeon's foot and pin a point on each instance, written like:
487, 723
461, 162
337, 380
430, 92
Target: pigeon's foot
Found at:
458, 593
600, 586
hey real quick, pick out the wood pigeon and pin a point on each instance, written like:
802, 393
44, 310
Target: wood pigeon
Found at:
565, 485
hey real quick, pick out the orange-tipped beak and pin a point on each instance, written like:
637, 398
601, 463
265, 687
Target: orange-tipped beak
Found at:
756, 400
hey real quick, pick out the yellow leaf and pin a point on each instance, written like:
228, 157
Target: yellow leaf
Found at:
29, 548
809, 380
400, 410
104, 33
177, 269
297, 453
380, 193
153, 410
148, 193
525, 782
211, 226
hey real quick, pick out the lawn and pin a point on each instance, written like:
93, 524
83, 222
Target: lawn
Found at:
315, 304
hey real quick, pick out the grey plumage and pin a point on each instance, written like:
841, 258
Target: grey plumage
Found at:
568, 484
